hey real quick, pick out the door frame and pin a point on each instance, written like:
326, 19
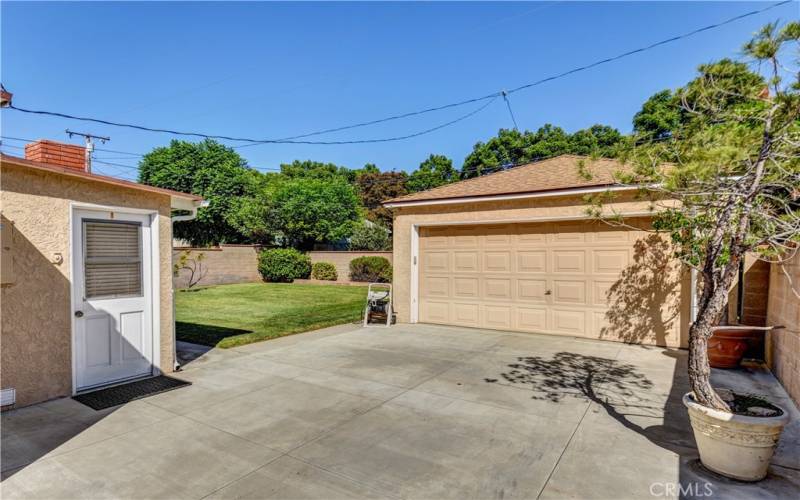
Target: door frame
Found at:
416, 269
155, 282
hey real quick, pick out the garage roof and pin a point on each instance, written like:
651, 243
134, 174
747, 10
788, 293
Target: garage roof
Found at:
554, 174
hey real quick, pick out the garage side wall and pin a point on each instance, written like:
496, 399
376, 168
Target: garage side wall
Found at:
529, 210
35, 336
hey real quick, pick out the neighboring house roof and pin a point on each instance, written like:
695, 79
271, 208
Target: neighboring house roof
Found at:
181, 201
552, 175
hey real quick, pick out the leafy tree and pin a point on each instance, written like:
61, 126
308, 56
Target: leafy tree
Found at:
317, 170
209, 169
373, 189
733, 166
665, 111
303, 211
511, 147
435, 171
659, 116
371, 237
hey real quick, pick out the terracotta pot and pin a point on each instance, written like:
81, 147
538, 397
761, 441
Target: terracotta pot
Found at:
727, 345
735, 446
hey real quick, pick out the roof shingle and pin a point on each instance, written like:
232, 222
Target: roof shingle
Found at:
561, 172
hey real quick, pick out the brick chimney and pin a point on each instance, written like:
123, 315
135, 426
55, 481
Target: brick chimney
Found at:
57, 153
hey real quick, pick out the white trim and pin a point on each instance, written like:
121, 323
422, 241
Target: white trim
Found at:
155, 277
503, 197
414, 305
415, 267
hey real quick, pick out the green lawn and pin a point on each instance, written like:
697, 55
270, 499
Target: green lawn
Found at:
232, 315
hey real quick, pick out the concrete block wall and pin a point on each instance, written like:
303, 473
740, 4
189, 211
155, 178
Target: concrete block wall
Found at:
224, 264
342, 260
784, 309
228, 264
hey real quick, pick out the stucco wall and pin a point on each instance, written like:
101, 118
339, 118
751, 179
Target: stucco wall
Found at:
502, 211
35, 335
222, 265
783, 308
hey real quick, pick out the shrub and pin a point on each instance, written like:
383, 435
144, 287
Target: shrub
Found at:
372, 269
324, 271
283, 264
372, 237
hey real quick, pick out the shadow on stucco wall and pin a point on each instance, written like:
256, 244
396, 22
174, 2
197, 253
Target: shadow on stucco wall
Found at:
644, 302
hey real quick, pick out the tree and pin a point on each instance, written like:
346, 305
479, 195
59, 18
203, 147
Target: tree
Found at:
435, 171
727, 180
209, 169
304, 211
665, 111
659, 116
511, 147
317, 170
370, 236
374, 189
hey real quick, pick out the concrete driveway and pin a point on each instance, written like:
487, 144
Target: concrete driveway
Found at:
415, 411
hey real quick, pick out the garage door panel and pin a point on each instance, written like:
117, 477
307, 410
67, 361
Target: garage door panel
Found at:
466, 261
431, 311
497, 288
568, 321
496, 262
433, 262
532, 319
532, 261
498, 236
610, 261
569, 261
465, 238
466, 313
496, 316
569, 291
436, 286
532, 290
465, 288
600, 292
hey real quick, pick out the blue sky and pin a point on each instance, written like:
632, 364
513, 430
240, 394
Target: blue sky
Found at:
279, 69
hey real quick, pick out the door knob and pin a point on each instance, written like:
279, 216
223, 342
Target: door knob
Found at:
78, 314
548, 292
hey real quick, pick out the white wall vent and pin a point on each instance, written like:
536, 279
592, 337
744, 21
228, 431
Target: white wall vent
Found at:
8, 397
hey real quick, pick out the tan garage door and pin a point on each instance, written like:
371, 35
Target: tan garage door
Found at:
545, 277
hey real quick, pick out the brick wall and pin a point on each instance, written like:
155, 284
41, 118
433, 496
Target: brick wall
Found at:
224, 264
342, 260
784, 309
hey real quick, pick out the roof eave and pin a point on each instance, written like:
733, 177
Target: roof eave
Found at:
396, 203
178, 200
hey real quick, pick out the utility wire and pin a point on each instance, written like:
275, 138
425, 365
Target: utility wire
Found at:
491, 97
510, 111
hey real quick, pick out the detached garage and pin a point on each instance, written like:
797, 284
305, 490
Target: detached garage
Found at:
516, 250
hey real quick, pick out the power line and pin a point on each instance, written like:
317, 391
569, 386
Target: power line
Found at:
491, 97
510, 111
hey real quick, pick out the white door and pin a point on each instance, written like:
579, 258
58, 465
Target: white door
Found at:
112, 290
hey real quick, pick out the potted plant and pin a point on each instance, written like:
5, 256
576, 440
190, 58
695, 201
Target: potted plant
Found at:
720, 161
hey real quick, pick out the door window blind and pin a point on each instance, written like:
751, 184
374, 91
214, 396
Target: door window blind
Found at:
112, 259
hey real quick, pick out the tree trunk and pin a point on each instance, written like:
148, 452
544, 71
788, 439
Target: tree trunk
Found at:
699, 332
699, 369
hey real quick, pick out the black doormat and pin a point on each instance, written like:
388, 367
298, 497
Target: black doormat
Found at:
124, 393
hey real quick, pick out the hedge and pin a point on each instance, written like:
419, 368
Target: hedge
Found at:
283, 264
372, 269
324, 271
